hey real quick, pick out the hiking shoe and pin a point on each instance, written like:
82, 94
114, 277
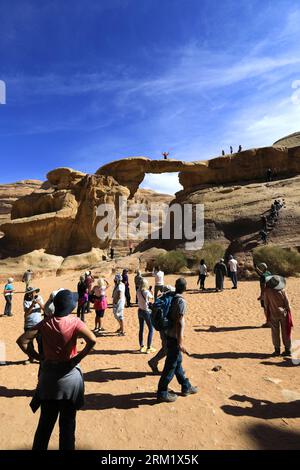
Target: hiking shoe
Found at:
143, 349
276, 353
154, 368
151, 350
286, 353
169, 398
190, 391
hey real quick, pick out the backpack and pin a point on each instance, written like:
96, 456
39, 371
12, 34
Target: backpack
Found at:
160, 310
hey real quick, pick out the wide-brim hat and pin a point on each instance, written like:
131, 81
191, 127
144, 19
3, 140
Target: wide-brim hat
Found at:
275, 282
30, 290
64, 303
262, 267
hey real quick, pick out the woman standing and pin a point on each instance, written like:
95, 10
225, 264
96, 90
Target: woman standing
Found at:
83, 298
8, 293
60, 389
202, 274
144, 314
220, 271
119, 303
100, 302
125, 281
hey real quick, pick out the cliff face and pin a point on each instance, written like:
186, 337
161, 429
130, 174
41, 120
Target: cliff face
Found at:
59, 218
9, 193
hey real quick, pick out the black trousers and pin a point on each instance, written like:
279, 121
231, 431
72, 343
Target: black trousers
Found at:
50, 409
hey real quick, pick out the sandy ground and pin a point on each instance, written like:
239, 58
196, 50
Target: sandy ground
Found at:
251, 403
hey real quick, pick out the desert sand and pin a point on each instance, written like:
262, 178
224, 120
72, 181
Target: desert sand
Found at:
252, 402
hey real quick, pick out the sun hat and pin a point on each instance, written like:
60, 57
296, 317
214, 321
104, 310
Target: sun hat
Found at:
30, 290
262, 267
64, 303
275, 282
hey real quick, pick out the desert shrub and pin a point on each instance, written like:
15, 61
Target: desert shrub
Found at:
282, 261
211, 253
171, 262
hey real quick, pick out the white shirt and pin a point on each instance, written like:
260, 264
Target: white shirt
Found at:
159, 278
119, 288
233, 265
143, 298
203, 269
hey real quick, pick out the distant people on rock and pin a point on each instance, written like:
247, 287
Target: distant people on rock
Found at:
239, 149
232, 270
27, 278
165, 155
8, 296
112, 253
33, 305
263, 272
125, 280
278, 313
118, 297
220, 271
223, 153
100, 302
89, 280
175, 348
263, 236
264, 223
159, 280
60, 389
144, 297
202, 275
231, 150
269, 175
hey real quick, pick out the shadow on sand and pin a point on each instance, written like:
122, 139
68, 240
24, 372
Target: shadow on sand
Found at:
105, 401
215, 329
107, 375
231, 355
15, 392
274, 438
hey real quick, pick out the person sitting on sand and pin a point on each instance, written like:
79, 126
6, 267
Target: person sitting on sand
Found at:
119, 303
202, 274
220, 271
278, 313
175, 348
60, 389
144, 296
8, 295
262, 271
100, 303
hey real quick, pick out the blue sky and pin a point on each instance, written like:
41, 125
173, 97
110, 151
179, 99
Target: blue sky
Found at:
92, 81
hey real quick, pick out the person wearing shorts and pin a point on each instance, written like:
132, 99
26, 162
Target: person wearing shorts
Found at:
119, 303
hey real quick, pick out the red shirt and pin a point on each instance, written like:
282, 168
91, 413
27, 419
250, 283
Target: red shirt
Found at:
59, 335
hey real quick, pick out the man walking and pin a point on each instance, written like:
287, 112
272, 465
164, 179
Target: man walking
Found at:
175, 348
27, 278
232, 268
278, 313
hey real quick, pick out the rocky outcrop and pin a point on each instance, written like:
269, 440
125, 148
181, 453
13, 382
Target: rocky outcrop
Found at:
290, 141
248, 165
63, 219
10, 193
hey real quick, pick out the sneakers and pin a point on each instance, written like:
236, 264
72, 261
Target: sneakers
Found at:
143, 349
276, 353
154, 368
151, 350
190, 391
286, 353
168, 398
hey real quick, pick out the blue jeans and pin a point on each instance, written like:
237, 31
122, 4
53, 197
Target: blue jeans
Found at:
144, 316
233, 276
173, 366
